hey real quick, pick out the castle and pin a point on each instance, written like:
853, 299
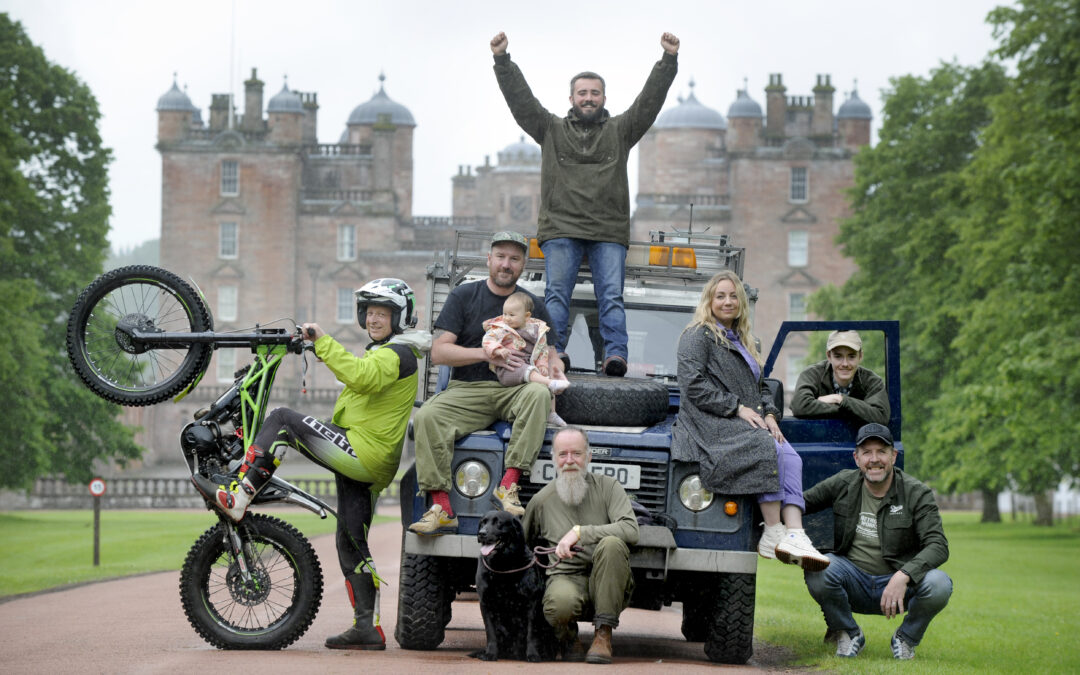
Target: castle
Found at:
274, 225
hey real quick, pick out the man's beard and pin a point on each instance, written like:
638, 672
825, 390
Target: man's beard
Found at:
503, 284
589, 114
571, 486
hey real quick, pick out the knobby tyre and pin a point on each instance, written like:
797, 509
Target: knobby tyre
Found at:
275, 609
730, 637
152, 300
613, 401
424, 601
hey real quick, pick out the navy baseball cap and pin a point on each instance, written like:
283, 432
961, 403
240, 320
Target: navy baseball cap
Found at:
878, 431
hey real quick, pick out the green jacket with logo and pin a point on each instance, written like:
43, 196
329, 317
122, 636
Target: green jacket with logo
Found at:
584, 190
375, 405
909, 525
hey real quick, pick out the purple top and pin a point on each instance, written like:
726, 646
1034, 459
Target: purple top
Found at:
750, 360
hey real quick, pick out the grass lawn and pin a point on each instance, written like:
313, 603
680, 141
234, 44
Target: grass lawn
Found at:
44, 549
1015, 607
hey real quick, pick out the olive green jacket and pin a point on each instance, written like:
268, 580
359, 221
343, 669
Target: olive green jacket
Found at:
909, 524
584, 191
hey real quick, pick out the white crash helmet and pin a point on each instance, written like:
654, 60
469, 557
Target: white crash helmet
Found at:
392, 293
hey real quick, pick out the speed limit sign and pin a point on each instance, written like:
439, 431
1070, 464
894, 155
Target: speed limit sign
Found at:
97, 487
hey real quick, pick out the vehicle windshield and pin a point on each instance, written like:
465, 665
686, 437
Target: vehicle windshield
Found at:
654, 338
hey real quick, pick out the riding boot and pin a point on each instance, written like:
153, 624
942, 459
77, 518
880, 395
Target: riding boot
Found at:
366, 633
254, 474
600, 651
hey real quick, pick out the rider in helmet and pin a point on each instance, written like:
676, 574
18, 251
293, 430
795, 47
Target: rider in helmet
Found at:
360, 444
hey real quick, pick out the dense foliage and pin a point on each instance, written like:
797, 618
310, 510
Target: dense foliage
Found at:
967, 229
54, 212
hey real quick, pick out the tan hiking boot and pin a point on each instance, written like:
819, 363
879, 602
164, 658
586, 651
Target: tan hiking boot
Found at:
435, 522
600, 651
509, 500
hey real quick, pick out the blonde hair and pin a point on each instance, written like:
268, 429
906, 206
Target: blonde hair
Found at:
704, 317
522, 299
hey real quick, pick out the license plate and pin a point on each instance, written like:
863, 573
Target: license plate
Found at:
628, 475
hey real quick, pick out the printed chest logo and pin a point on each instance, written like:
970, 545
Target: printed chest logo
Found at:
896, 509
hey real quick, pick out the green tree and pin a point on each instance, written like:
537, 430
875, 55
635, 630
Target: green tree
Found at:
54, 214
1016, 392
909, 190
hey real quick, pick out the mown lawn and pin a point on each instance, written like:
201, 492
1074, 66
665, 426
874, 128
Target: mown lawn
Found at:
45, 549
1015, 607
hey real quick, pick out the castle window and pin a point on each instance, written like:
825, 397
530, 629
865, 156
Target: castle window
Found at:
228, 244
230, 178
346, 309
226, 364
800, 185
797, 307
346, 242
798, 248
226, 303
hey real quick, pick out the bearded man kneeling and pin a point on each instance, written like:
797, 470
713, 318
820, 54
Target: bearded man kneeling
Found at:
593, 512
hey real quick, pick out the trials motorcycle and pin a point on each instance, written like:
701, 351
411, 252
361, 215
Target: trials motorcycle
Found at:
140, 335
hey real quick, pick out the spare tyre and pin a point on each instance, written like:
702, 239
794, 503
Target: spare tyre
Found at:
612, 401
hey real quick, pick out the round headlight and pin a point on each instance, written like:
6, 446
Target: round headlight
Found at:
472, 478
693, 494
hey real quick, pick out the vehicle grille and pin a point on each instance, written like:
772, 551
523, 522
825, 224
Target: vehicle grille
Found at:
653, 491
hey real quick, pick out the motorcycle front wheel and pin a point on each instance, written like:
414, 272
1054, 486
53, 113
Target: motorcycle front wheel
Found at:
269, 611
152, 300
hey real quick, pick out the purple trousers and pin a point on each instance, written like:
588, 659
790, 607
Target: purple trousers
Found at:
789, 465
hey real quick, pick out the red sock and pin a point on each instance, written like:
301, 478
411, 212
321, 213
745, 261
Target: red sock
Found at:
442, 499
510, 477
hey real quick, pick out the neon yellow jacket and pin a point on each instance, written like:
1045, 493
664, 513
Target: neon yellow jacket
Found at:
374, 407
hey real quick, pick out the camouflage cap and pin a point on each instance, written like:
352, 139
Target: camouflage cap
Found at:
512, 237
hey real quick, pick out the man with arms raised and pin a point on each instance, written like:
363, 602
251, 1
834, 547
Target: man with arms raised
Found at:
584, 190
889, 545
474, 398
594, 512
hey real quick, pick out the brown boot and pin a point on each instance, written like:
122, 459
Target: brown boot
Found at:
600, 651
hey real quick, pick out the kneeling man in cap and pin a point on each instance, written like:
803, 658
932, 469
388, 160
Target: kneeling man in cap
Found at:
889, 544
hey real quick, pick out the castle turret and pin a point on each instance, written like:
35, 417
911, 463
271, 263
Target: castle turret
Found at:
744, 122
853, 122
175, 111
286, 114
388, 127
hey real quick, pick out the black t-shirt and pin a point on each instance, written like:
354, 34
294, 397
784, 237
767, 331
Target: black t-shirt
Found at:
464, 313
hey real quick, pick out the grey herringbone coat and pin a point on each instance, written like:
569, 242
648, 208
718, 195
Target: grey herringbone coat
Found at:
735, 458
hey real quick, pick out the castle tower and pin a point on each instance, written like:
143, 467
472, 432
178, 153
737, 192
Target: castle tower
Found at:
853, 122
285, 113
744, 122
175, 114
388, 127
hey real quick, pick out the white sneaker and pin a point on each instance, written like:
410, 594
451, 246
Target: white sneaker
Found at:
796, 549
849, 646
558, 386
900, 648
772, 536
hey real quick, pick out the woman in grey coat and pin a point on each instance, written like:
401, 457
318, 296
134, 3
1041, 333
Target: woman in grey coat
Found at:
728, 423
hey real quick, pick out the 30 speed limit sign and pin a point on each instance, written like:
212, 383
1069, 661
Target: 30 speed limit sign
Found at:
97, 487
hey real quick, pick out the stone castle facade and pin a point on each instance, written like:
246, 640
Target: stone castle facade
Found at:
274, 225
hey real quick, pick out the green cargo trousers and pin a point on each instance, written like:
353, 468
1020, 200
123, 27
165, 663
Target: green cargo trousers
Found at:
465, 407
606, 590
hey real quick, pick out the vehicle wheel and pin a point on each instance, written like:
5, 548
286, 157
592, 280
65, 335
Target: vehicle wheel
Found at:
730, 636
613, 401
695, 619
271, 612
425, 596
151, 299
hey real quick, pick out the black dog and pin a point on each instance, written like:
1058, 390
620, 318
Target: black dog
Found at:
511, 590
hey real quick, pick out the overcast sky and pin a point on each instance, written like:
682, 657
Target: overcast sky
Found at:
438, 63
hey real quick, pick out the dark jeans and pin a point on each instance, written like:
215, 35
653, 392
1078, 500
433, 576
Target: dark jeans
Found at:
843, 588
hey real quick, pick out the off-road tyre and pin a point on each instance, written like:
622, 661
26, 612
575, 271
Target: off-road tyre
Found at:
425, 596
271, 616
696, 613
730, 637
613, 401
155, 300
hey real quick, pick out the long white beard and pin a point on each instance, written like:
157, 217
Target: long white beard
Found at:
571, 487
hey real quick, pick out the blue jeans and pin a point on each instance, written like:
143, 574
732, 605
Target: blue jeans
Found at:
607, 261
843, 588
